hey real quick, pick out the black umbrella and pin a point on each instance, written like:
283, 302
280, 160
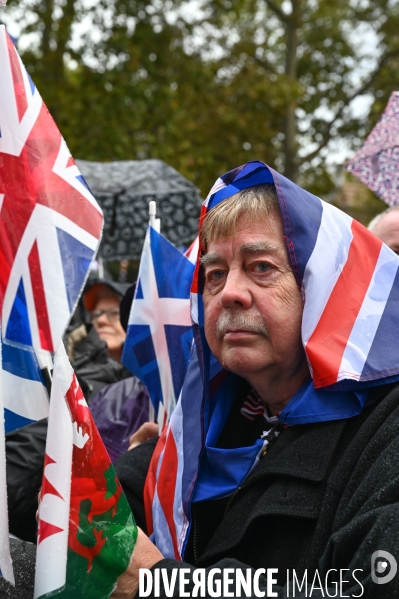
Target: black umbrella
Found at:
124, 189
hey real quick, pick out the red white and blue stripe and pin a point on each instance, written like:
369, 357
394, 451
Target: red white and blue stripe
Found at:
350, 286
159, 335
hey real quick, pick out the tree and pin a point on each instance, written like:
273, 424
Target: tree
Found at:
314, 52
275, 80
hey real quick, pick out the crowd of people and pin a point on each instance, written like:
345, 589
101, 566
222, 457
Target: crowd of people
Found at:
280, 471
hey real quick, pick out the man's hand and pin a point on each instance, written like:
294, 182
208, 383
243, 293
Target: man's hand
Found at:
145, 555
148, 430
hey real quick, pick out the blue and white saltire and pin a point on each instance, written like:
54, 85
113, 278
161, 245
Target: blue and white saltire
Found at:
159, 335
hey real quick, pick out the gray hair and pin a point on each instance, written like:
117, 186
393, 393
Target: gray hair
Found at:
256, 202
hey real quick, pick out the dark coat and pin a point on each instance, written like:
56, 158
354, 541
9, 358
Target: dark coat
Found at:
325, 496
25, 449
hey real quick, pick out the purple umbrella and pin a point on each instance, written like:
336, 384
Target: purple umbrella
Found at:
376, 164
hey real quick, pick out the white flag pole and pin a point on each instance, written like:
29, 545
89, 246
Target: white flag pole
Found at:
5, 557
155, 223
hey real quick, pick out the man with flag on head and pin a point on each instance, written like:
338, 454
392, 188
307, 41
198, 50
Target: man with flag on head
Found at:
278, 472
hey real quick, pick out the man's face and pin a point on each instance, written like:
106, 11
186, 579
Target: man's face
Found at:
107, 323
388, 230
253, 307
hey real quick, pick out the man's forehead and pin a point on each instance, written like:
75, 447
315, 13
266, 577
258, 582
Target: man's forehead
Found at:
215, 251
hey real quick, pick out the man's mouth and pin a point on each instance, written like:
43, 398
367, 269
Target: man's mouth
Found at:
238, 334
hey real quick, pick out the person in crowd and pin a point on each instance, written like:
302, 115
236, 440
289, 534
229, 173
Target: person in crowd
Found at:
386, 227
95, 348
119, 409
282, 451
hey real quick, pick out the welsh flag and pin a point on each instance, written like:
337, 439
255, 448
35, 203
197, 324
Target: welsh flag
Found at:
86, 530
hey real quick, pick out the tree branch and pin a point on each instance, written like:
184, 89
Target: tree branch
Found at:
327, 136
277, 11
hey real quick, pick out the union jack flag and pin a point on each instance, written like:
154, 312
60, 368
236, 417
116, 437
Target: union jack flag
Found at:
349, 282
50, 226
50, 223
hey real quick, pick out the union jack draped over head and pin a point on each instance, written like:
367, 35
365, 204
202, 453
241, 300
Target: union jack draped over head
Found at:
50, 226
350, 286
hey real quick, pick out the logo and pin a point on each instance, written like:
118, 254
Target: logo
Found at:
383, 567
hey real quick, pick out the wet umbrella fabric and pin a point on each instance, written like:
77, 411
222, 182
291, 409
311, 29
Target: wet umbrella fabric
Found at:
124, 189
376, 164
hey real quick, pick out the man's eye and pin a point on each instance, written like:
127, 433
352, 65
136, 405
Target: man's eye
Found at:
261, 267
215, 275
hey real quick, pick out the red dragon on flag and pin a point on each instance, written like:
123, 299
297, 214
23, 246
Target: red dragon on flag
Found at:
86, 529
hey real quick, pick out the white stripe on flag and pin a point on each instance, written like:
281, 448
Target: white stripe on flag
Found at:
163, 537
194, 307
52, 551
14, 132
368, 319
70, 174
25, 397
178, 513
218, 185
5, 557
158, 312
325, 265
192, 252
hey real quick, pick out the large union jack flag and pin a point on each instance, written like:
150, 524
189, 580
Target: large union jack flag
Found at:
349, 282
50, 226
50, 223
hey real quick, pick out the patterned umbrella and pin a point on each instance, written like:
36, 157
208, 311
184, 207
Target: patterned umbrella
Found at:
124, 189
376, 164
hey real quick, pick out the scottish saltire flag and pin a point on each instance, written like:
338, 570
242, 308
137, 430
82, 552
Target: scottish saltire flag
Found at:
159, 335
349, 282
86, 532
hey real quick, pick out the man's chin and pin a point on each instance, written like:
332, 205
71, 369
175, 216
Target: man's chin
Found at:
244, 363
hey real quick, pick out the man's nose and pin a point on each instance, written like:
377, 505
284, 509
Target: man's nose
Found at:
236, 291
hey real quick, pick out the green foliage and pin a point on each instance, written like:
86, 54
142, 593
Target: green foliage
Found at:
211, 88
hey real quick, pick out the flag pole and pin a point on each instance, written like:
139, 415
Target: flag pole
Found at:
155, 223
